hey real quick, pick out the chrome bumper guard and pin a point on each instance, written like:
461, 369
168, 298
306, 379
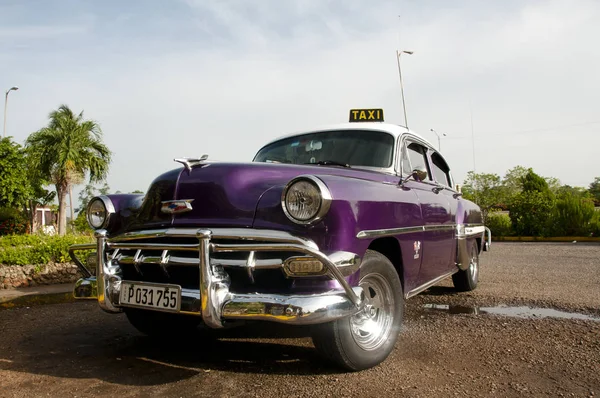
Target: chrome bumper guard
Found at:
213, 301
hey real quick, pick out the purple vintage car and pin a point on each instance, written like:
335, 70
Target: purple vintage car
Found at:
333, 228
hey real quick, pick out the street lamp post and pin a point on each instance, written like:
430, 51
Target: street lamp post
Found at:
438, 136
5, 105
398, 53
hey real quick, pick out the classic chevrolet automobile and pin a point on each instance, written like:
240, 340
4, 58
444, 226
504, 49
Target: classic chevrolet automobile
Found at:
332, 228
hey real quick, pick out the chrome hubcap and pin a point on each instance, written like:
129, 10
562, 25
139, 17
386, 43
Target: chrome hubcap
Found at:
473, 265
372, 326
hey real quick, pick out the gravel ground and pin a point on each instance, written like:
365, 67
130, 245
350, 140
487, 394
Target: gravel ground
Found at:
75, 349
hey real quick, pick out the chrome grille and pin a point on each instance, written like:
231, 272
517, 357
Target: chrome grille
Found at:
176, 260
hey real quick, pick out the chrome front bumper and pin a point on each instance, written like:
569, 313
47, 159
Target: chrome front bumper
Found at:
213, 301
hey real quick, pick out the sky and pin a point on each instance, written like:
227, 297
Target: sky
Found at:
508, 82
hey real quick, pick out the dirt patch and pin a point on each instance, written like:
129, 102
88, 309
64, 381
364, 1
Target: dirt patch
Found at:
75, 349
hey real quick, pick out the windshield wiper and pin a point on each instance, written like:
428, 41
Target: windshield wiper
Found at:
330, 163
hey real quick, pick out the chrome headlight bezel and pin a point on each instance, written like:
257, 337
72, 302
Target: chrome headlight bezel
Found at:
324, 205
109, 210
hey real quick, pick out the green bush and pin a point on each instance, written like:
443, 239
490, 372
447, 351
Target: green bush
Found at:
12, 221
499, 224
595, 224
572, 215
38, 249
531, 213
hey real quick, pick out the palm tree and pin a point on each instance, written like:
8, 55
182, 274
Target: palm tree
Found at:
67, 149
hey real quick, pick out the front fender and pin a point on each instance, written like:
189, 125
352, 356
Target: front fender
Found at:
358, 205
126, 208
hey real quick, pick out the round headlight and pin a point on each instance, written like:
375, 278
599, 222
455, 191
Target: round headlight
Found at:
305, 200
99, 211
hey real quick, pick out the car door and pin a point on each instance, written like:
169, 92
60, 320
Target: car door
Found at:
437, 246
443, 178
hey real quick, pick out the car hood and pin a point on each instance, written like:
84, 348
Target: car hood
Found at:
226, 194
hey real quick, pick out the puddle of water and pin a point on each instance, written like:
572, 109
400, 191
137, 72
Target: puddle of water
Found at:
515, 312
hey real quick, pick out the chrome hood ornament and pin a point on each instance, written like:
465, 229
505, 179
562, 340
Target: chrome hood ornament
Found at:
176, 206
188, 163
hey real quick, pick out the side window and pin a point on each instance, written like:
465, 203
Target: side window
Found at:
416, 154
441, 171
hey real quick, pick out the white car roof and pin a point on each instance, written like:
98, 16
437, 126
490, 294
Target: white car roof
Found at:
393, 129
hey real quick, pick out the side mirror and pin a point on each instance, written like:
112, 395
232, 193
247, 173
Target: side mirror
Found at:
419, 173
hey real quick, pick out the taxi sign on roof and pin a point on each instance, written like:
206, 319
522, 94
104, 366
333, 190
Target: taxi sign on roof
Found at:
366, 115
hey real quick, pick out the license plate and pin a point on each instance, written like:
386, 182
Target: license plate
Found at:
147, 295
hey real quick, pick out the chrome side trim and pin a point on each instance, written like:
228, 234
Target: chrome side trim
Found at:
474, 230
424, 286
388, 232
403, 230
440, 227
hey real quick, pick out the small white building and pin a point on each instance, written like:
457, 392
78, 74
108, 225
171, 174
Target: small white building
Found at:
46, 219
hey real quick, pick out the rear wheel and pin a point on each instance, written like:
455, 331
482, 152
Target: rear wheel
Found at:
162, 324
466, 280
367, 338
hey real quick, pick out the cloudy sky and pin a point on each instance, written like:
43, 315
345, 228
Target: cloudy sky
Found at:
177, 78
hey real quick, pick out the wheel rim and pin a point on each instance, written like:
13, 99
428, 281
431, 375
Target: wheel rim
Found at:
372, 326
474, 265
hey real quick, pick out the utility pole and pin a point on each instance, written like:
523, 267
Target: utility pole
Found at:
472, 137
438, 137
5, 107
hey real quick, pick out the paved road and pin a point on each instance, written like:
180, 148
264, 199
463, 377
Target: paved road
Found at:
74, 349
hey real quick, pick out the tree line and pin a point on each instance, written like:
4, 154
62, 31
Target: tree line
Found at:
69, 150
64, 153
536, 205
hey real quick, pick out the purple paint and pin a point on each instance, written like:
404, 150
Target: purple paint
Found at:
249, 195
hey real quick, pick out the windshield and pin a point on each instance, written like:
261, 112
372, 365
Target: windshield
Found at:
352, 147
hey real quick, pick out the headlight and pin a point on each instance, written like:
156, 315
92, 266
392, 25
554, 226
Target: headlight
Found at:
305, 200
99, 211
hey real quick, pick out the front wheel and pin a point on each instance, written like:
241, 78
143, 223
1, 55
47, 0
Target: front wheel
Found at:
366, 339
